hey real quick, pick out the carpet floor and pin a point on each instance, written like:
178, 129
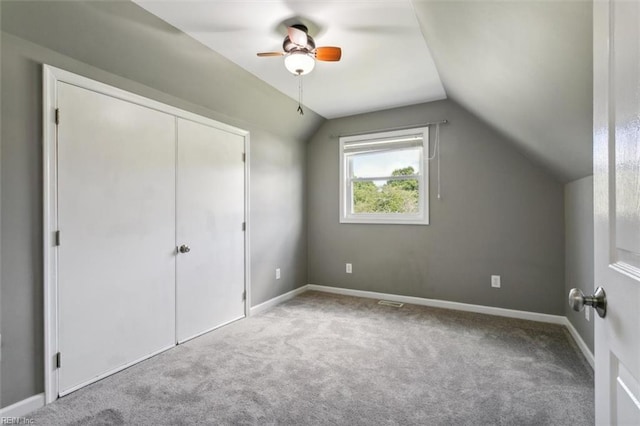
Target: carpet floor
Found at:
338, 360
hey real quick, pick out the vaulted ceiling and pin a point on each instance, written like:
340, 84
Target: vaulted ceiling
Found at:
386, 62
524, 67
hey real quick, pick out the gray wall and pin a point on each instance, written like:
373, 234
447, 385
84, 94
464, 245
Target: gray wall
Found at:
122, 45
499, 214
578, 213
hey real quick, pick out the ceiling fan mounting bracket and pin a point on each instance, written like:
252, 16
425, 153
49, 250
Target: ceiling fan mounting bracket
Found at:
301, 27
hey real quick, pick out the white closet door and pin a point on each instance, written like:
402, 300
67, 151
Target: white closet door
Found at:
116, 206
210, 209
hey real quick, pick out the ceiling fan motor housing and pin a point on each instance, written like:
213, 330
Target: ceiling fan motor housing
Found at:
290, 46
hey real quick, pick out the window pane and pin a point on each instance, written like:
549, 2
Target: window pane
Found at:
386, 163
392, 196
384, 177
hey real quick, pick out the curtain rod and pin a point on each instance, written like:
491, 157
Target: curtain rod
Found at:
413, 126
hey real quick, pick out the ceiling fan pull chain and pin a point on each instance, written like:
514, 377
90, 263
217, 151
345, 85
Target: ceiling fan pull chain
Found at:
300, 94
438, 148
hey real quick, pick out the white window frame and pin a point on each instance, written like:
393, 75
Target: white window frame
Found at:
346, 181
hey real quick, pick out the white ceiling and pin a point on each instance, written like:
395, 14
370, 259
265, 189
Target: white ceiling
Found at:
385, 63
524, 67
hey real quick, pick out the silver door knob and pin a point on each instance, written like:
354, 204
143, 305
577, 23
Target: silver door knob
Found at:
577, 301
184, 249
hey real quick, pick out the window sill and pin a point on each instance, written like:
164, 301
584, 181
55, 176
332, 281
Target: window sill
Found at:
384, 221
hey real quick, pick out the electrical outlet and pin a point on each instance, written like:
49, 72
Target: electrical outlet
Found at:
349, 269
495, 281
277, 273
586, 313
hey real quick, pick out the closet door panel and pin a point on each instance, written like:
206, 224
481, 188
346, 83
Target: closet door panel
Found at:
210, 210
116, 210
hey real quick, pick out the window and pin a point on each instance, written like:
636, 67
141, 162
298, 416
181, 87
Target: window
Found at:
384, 177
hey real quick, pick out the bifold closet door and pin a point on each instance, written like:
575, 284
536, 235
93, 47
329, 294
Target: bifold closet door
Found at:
116, 215
210, 213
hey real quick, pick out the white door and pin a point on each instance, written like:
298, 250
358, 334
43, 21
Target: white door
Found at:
617, 209
210, 210
116, 215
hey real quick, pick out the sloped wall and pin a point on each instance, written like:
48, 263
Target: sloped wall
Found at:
121, 44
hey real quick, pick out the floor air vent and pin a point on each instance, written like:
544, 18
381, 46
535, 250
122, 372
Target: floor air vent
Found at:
390, 303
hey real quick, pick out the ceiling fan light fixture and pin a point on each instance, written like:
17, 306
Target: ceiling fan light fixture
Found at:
299, 63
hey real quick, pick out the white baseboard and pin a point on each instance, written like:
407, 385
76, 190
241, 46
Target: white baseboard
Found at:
277, 300
581, 344
502, 312
22, 408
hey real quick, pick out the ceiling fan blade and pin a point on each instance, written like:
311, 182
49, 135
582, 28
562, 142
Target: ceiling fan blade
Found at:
297, 36
328, 53
263, 54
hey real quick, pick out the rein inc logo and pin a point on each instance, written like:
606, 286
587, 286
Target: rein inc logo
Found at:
16, 421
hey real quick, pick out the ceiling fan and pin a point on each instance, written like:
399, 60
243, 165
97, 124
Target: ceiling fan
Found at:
300, 51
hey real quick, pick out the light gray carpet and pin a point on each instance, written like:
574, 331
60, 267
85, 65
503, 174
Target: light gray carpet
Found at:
325, 359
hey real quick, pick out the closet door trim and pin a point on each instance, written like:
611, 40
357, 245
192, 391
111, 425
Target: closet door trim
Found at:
51, 77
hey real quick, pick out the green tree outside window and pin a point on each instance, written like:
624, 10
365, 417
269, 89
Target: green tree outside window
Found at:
395, 196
